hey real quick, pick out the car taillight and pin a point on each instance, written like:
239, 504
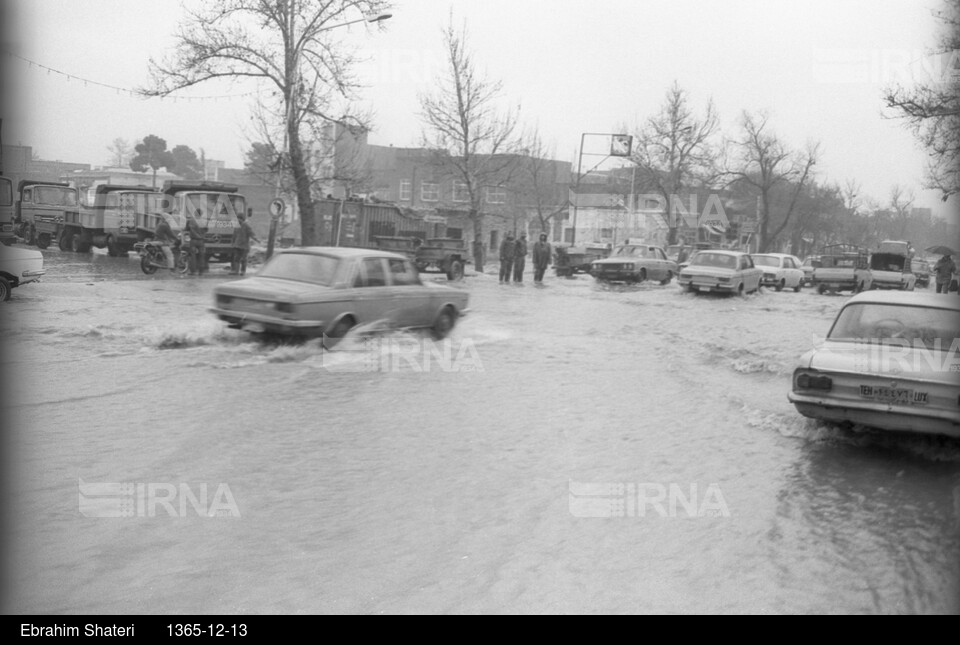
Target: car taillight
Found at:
284, 307
806, 381
224, 300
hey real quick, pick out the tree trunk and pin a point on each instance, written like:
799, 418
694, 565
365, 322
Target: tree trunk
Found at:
308, 224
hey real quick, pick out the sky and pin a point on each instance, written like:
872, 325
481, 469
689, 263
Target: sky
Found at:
571, 67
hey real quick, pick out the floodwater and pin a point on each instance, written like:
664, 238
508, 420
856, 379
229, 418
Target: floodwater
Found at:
572, 448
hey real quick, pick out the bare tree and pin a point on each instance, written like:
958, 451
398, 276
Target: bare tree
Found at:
287, 43
475, 142
120, 152
901, 209
538, 183
932, 110
764, 163
674, 150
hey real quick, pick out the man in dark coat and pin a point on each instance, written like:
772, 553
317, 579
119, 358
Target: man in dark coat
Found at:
241, 245
196, 248
542, 255
508, 250
944, 268
520, 258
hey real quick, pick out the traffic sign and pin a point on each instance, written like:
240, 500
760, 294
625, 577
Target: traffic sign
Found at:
277, 208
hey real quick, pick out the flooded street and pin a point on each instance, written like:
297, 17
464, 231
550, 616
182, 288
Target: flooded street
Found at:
572, 448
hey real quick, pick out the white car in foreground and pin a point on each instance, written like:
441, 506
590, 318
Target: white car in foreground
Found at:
780, 270
18, 267
890, 361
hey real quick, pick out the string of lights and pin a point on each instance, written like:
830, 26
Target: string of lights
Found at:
125, 90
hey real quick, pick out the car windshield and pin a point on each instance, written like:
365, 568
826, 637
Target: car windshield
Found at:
632, 251
721, 260
929, 327
766, 260
302, 267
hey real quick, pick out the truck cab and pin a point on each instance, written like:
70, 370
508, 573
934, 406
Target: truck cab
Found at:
42, 209
214, 204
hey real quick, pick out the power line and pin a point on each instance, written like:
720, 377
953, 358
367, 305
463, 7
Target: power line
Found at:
124, 90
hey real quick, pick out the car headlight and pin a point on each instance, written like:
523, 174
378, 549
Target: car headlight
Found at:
806, 380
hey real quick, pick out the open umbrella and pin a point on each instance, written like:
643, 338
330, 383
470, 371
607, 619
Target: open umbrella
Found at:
941, 250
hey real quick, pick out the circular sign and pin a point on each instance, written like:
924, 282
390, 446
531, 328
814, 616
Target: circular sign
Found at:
277, 207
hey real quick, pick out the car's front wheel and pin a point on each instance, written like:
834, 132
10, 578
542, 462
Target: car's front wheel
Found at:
780, 285
444, 324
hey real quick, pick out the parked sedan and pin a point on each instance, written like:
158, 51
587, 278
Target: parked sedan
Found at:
635, 263
780, 271
721, 271
325, 291
17, 268
889, 362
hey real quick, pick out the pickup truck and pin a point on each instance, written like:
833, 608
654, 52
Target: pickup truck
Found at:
843, 268
890, 266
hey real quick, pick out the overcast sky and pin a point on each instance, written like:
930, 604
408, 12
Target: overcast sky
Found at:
573, 66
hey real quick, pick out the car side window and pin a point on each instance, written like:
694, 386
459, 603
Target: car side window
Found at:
373, 274
403, 272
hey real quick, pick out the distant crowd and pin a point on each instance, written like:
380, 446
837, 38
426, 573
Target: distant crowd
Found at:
513, 257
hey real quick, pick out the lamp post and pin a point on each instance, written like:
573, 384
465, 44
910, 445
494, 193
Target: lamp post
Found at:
621, 145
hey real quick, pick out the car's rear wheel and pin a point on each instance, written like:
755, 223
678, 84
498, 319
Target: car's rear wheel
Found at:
4, 290
338, 332
797, 288
444, 324
668, 278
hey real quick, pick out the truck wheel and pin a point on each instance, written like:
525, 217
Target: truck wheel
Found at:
4, 290
112, 249
76, 243
821, 289
455, 270
30, 235
43, 240
444, 323
64, 241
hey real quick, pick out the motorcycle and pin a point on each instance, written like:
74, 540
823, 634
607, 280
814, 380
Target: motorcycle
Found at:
152, 257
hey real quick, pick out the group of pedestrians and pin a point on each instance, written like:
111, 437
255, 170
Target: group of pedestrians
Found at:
193, 236
513, 258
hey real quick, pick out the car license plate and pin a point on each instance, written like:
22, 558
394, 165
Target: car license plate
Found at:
894, 395
707, 289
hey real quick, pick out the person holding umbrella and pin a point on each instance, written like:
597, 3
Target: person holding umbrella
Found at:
944, 268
